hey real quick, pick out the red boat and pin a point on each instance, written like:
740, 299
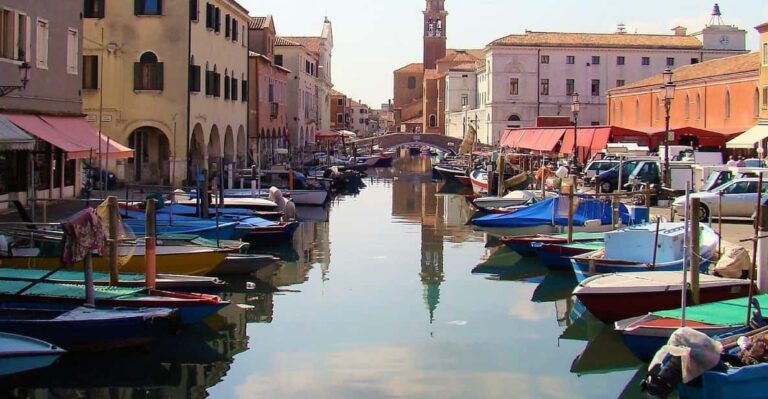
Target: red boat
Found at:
613, 297
522, 244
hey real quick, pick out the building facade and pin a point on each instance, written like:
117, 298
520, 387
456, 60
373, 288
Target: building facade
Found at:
302, 92
268, 102
358, 118
182, 111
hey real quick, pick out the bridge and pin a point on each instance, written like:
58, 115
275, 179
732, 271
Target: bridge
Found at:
394, 140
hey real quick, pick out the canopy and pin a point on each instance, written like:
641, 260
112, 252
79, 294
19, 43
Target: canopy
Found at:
553, 211
587, 137
750, 138
71, 134
326, 135
536, 139
347, 133
14, 139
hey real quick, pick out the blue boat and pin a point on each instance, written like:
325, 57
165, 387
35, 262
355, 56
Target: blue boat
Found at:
88, 329
553, 212
19, 353
199, 227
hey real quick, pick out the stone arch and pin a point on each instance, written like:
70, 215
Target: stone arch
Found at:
151, 161
229, 146
197, 148
214, 149
242, 148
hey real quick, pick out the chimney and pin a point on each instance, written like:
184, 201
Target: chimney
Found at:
680, 30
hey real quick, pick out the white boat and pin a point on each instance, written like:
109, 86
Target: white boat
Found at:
299, 197
514, 198
479, 179
255, 204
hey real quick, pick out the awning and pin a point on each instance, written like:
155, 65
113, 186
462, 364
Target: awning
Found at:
326, 135
750, 138
591, 138
14, 139
546, 139
73, 135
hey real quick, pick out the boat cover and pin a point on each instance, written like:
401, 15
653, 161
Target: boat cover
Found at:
553, 211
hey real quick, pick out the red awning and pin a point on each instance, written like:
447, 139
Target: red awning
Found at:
546, 139
591, 138
326, 135
73, 135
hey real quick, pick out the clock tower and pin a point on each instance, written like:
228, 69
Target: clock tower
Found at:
435, 18
717, 35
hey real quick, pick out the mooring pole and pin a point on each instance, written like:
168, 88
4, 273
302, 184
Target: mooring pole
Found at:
695, 239
114, 276
150, 245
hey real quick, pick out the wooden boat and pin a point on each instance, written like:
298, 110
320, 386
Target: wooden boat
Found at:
450, 171
253, 204
380, 161
522, 244
188, 260
86, 329
202, 228
19, 353
558, 256
299, 197
244, 264
236, 246
279, 232
514, 198
167, 282
192, 308
617, 296
644, 335
479, 179
631, 250
520, 181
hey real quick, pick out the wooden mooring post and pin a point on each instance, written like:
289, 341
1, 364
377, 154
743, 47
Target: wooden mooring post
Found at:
114, 273
150, 245
695, 245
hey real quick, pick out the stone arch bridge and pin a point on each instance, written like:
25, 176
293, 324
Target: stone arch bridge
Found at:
394, 140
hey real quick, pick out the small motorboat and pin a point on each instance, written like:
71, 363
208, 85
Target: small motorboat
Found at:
278, 232
479, 179
558, 256
238, 264
522, 244
449, 171
299, 197
630, 249
618, 296
514, 198
19, 353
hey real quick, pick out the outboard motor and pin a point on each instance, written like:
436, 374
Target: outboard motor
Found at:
663, 378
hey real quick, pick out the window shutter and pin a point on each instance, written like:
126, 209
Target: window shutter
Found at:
244, 91
137, 76
138, 6
193, 10
216, 84
158, 76
208, 16
217, 19
159, 7
227, 26
234, 89
234, 30
226, 87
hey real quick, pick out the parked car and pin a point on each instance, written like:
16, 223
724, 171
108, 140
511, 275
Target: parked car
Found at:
97, 176
632, 171
739, 198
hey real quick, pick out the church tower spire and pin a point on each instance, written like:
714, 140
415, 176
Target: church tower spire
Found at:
435, 18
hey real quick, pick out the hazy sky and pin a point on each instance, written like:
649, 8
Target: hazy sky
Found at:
372, 38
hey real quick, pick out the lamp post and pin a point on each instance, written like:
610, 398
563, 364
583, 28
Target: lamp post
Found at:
23, 77
575, 108
669, 95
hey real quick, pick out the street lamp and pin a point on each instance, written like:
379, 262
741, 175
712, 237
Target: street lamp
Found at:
575, 108
23, 77
669, 95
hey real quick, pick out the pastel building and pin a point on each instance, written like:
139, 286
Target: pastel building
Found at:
170, 80
302, 92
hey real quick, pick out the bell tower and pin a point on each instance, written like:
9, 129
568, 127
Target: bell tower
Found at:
435, 18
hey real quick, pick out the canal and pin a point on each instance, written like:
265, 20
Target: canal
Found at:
386, 294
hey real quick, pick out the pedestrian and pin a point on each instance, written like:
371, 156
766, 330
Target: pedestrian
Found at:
731, 161
741, 163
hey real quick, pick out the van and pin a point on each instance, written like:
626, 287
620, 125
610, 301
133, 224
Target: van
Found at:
640, 170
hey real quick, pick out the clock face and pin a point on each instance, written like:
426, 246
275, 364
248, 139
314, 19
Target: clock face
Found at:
723, 40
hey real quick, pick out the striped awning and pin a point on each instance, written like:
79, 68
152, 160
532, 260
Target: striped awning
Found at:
14, 139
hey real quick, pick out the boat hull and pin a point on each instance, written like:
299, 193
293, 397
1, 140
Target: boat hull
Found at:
19, 353
237, 264
281, 232
746, 382
556, 256
584, 268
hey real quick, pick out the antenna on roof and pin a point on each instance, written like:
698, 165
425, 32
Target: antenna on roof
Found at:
717, 16
621, 28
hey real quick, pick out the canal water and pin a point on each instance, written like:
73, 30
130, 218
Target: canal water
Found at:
386, 294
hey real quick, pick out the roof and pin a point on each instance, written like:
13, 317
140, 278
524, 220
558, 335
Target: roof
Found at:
462, 56
335, 92
412, 68
592, 40
433, 74
312, 43
718, 67
261, 22
466, 67
417, 119
281, 41
253, 54
474, 52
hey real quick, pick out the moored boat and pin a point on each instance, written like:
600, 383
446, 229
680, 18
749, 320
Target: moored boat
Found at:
278, 232
522, 244
450, 171
19, 353
479, 179
558, 256
617, 296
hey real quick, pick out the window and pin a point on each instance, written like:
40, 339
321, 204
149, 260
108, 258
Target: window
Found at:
233, 89
307, 67
620, 82
41, 58
570, 59
765, 53
210, 16
694, 60
194, 78
216, 80
148, 73
14, 35
514, 86
544, 87
570, 87
244, 90
193, 13
227, 26
727, 104
90, 72
646, 61
271, 93
226, 86
687, 110
339, 102
340, 118
756, 103
670, 61
595, 60
73, 44
148, 7
432, 121
765, 97
93, 9
545, 59
595, 87
698, 106
216, 19
279, 59
362, 111
362, 121
411, 82
208, 82
234, 30
620, 60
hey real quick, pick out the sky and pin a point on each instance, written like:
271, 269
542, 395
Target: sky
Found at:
372, 38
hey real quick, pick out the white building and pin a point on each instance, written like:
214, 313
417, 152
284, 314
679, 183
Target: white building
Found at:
536, 73
302, 91
358, 117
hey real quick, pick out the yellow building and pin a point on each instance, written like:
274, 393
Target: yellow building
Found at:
763, 83
168, 79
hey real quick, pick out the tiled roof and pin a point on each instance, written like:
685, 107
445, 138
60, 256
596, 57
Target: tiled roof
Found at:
432, 74
311, 43
281, 41
417, 119
608, 40
466, 67
456, 55
260, 22
722, 66
412, 68
335, 92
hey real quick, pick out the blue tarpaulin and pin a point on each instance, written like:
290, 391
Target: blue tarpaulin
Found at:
554, 211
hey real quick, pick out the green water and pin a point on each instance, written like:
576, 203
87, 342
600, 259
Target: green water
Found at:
388, 295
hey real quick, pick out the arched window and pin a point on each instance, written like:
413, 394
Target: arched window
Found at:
226, 84
698, 106
637, 110
514, 119
411, 82
727, 104
756, 102
687, 110
657, 108
432, 121
148, 73
621, 112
